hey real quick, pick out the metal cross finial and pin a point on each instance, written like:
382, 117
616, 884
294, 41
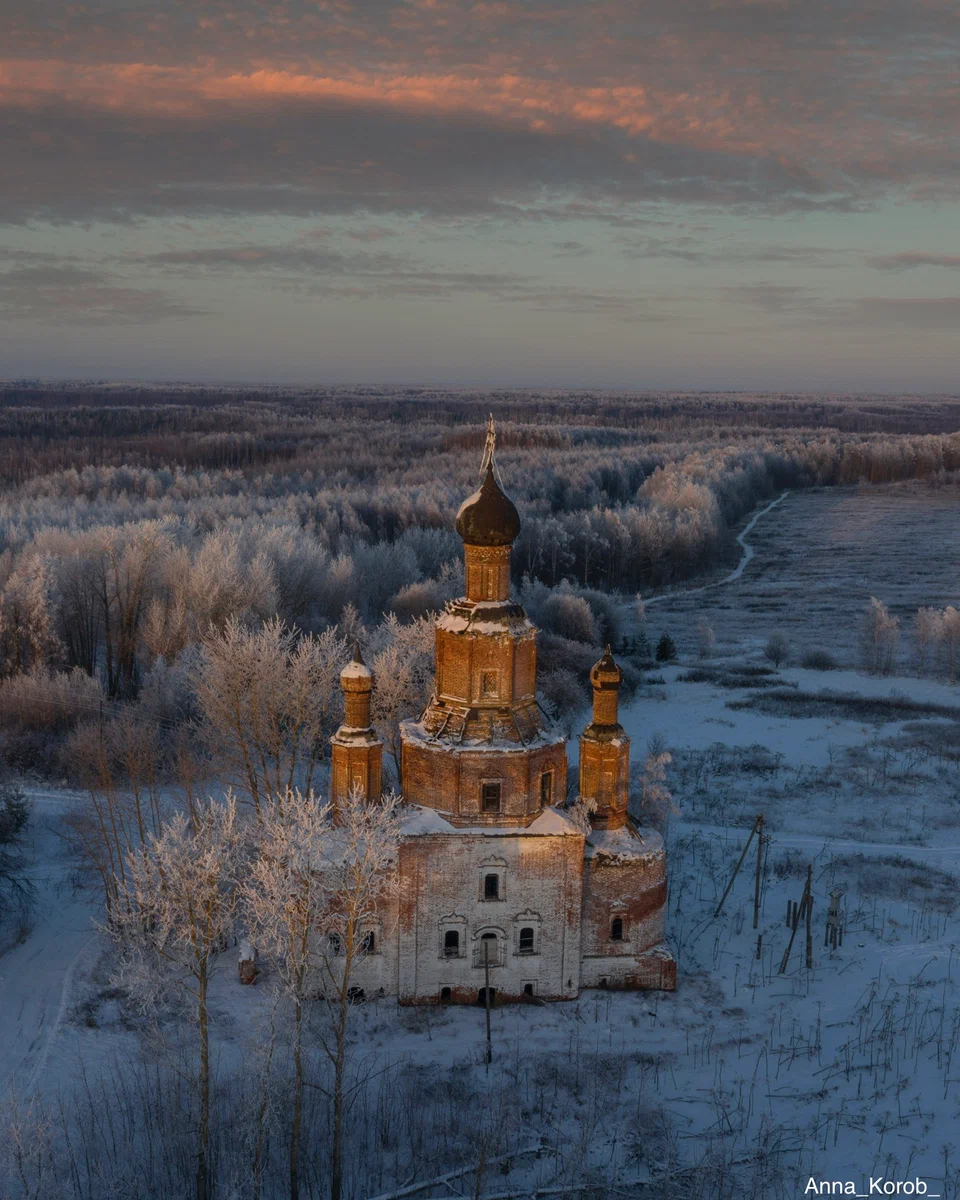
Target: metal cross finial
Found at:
489, 446
488, 458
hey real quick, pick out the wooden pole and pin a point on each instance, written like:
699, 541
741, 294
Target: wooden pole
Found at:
486, 995
797, 912
809, 914
756, 887
736, 871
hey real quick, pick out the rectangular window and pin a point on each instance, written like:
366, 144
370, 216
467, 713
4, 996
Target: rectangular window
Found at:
546, 789
451, 944
491, 887
490, 797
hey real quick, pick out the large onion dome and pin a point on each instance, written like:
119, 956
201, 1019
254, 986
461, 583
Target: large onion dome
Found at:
488, 517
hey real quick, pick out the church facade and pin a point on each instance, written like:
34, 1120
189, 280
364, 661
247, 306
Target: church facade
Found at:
497, 881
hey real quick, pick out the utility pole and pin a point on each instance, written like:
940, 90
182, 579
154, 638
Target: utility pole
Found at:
756, 888
486, 995
736, 870
809, 914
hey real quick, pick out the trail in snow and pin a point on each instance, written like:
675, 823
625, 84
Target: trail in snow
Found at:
36, 977
745, 557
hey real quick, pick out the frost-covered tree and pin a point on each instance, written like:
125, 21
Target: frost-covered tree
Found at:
16, 890
285, 900
928, 631
403, 668
656, 798
175, 913
358, 869
268, 700
28, 638
776, 650
706, 638
879, 635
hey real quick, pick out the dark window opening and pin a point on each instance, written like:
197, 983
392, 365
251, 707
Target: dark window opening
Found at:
356, 995
490, 798
603, 982
482, 997
528, 989
445, 995
616, 929
546, 789
335, 944
369, 943
491, 889
525, 944
451, 944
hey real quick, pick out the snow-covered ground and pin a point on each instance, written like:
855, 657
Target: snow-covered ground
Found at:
36, 977
844, 1071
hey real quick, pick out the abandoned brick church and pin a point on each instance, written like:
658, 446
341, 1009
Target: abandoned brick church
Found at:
495, 878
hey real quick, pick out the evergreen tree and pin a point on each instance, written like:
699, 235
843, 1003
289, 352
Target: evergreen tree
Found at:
666, 648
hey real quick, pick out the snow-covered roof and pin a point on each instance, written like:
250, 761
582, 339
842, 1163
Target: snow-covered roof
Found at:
422, 821
356, 670
414, 731
625, 843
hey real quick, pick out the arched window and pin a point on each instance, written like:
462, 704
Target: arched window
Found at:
445, 995
491, 887
335, 944
451, 944
616, 929
525, 943
369, 943
488, 949
546, 789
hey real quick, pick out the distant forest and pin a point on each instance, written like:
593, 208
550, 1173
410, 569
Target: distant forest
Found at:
138, 524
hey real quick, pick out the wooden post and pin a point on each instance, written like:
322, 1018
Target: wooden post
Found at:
736, 870
756, 888
486, 996
809, 914
797, 913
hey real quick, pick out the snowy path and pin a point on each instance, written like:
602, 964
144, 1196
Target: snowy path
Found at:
36, 978
745, 557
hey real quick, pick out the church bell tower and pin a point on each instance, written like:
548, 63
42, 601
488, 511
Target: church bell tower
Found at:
605, 750
481, 753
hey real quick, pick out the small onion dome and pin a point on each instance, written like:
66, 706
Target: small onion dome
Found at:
488, 517
356, 676
606, 673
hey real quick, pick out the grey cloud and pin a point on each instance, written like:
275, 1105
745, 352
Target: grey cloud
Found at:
299, 158
701, 250
907, 259
362, 274
73, 295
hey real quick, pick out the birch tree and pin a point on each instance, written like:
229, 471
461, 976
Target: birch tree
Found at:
359, 872
285, 898
175, 912
879, 635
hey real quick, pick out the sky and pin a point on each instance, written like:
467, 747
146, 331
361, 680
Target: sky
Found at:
632, 194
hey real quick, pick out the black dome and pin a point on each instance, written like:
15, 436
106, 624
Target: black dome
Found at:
488, 517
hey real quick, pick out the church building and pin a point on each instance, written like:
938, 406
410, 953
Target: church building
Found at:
496, 879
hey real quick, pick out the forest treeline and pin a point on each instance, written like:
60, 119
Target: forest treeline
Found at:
136, 523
